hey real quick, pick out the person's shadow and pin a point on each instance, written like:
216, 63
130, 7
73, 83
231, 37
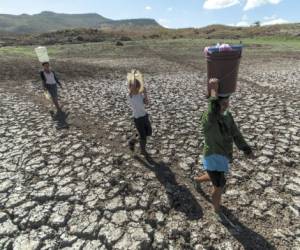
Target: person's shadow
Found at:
247, 237
60, 118
180, 197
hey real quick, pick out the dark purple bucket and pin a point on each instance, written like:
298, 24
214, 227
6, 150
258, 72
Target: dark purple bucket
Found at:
225, 67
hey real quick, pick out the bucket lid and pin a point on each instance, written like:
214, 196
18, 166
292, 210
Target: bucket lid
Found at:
222, 48
224, 55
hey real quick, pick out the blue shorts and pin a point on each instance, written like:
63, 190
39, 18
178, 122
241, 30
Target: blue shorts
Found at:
216, 162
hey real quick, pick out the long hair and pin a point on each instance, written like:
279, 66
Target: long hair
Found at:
135, 82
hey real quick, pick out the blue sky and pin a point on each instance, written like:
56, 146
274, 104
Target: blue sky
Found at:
169, 13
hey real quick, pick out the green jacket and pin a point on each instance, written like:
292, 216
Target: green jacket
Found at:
220, 131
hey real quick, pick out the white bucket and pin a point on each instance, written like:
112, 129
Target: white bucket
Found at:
42, 54
47, 95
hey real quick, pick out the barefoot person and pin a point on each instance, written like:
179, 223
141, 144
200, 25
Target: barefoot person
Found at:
138, 98
220, 131
50, 82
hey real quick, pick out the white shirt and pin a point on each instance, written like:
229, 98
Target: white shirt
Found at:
50, 78
137, 105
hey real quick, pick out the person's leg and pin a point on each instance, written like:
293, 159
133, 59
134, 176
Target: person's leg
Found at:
140, 125
143, 142
202, 178
218, 181
147, 131
53, 92
143, 135
132, 141
56, 104
216, 198
148, 126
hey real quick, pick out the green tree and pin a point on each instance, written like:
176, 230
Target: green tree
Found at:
257, 23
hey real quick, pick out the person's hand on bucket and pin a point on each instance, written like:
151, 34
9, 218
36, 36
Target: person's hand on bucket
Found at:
213, 87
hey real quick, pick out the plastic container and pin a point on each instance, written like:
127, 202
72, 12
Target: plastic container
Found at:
42, 54
47, 95
225, 67
135, 74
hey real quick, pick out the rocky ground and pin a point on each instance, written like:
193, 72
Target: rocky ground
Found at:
80, 188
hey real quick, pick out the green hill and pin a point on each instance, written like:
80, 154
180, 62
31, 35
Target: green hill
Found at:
50, 21
49, 28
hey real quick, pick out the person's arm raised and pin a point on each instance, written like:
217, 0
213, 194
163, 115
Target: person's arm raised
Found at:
214, 87
213, 99
146, 99
43, 80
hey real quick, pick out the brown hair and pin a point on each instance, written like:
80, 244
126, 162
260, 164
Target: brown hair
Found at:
137, 82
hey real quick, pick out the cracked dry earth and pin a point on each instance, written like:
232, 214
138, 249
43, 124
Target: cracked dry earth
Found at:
80, 188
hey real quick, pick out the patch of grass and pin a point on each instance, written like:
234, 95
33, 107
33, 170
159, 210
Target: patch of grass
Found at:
16, 51
275, 43
180, 48
24, 51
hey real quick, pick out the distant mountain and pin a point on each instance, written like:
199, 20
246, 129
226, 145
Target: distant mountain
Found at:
127, 23
140, 29
50, 21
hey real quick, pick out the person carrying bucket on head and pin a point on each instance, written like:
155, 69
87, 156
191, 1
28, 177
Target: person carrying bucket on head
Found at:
50, 82
220, 131
49, 78
138, 98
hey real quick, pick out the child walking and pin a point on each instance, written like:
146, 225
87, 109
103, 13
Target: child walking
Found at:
220, 131
138, 98
50, 81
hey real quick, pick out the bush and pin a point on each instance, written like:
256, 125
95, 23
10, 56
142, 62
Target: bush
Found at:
154, 36
118, 43
125, 38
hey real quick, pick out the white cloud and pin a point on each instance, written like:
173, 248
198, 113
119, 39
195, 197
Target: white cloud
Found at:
274, 21
170, 9
268, 20
240, 24
270, 17
243, 23
148, 8
251, 4
219, 4
164, 22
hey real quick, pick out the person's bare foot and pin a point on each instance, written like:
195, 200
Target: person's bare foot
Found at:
197, 178
197, 185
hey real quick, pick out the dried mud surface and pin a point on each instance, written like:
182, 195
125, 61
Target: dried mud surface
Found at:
80, 188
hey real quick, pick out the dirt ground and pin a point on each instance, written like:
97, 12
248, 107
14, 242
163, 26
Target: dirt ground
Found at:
80, 188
